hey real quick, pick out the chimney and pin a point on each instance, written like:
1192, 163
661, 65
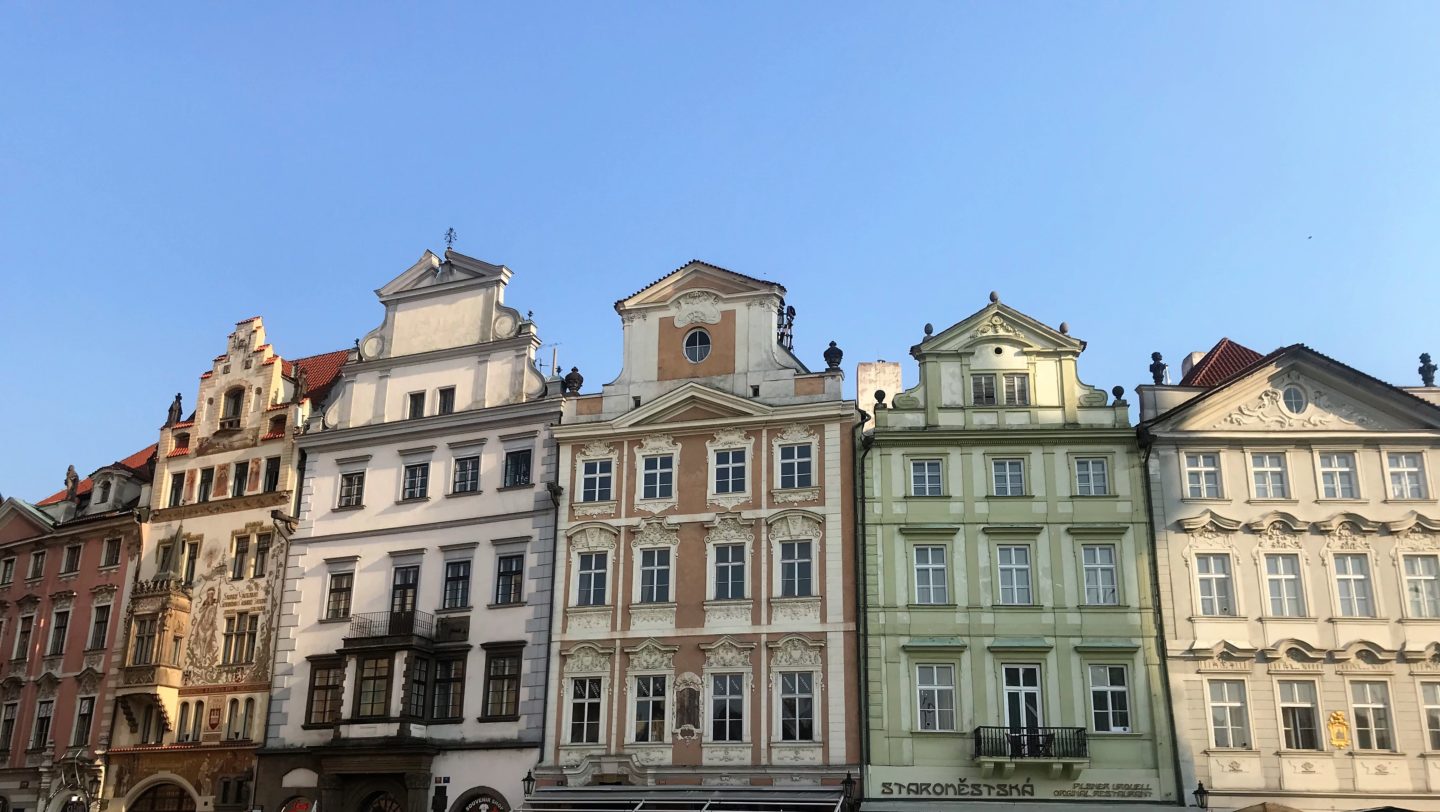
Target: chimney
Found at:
873, 375
1190, 360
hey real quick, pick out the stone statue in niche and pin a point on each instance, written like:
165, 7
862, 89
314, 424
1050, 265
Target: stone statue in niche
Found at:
687, 707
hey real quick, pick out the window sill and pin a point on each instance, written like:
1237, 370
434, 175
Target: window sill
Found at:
488, 719
927, 496
1359, 619
448, 720
311, 726
510, 605
924, 606
454, 494
345, 619
521, 486
412, 499
940, 734
1220, 618
1206, 500
1344, 500
1104, 607
1230, 751
1288, 618
105, 567
63, 573
454, 610
1026, 607
1113, 734
339, 508
1421, 620
1421, 501
1275, 501
1016, 496
1095, 496
1305, 753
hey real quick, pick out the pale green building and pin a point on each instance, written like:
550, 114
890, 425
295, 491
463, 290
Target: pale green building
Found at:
1009, 645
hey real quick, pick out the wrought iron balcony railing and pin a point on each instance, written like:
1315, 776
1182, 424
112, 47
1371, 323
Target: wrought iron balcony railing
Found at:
391, 624
1031, 742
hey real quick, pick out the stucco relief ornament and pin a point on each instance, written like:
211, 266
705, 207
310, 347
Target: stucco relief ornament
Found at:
657, 444
1344, 537
729, 530
726, 654
593, 538
795, 433
795, 526
1268, 411
597, 449
655, 533
651, 656
1277, 537
996, 325
587, 660
796, 651
1417, 538
696, 306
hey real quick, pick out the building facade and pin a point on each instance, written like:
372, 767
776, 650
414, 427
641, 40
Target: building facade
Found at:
704, 636
199, 627
1010, 629
416, 616
1298, 532
64, 566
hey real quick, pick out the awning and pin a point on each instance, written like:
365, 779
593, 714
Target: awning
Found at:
685, 799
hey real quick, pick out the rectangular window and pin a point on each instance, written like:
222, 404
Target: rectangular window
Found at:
1014, 575
37, 564
727, 707
1092, 476
337, 597
935, 686
517, 468
415, 405
207, 482
7, 571
509, 578
373, 697
1229, 719
1009, 477
982, 390
352, 489
110, 556
165, 558
925, 478
404, 589
417, 481
327, 679
1270, 477
240, 563
655, 575
192, 556
44, 711
59, 627
1217, 591
502, 683
84, 718
238, 477
1017, 389
797, 706
1299, 715
795, 470
272, 475
1282, 578
659, 477
262, 556
595, 481
1202, 476
1422, 585
7, 726
1110, 698
1102, 584
457, 584
447, 400
1352, 583
467, 475
1429, 692
730, 471
585, 702
145, 630
932, 583
177, 489
1337, 475
795, 569
71, 562
729, 572
592, 579
418, 697
1373, 729
1407, 476
449, 688
241, 631
650, 709
99, 627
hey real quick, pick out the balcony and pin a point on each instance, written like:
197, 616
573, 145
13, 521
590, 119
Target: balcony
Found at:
1064, 749
386, 628
147, 678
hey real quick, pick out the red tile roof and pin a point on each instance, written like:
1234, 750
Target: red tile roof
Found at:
138, 463
321, 373
698, 262
1221, 363
179, 452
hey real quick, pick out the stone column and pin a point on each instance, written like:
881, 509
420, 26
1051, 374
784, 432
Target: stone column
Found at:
331, 796
417, 795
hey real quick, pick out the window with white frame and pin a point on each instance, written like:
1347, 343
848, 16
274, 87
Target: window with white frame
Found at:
1373, 726
585, 707
1422, 585
1110, 698
1229, 715
1009, 477
982, 390
730, 470
1282, 581
1430, 697
1217, 590
1407, 475
467, 475
1092, 476
925, 478
416, 481
795, 469
1014, 564
796, 569
729, 572
727, 707
658, 477
935, 697
1337, 475
650, 709
592, 575
338, 595
797, 706
1202, 475
596, 481
1271, 480
1102, 583
655, 575
457, 585
1017, 389
352, 489
931, 579
1352, 585
1299, 714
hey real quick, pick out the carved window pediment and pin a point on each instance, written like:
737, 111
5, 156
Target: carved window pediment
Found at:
651, 655
655, 533
587, 658
795, 651
725, 653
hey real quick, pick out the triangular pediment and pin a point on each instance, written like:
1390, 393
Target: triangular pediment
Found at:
996, 322
21, 520
1298, 389
690, 402
453, 271
696, 275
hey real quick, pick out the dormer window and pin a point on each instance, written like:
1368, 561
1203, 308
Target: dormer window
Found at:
697, 346
103, 495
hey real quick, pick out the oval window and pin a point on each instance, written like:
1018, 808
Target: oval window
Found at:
1294, 398
697, 346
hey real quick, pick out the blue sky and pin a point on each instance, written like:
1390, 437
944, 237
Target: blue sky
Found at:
1158, 175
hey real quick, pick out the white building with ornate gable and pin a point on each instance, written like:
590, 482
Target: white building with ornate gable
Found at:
417, 590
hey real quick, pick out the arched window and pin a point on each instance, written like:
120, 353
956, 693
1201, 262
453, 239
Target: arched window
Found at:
232, 719
182, 730
104, 492
199, 721
163, 798
248, 720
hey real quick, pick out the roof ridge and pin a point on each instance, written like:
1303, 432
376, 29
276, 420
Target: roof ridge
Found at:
694, 261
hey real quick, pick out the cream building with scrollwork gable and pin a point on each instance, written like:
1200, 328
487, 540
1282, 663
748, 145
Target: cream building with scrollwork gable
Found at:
1298, 534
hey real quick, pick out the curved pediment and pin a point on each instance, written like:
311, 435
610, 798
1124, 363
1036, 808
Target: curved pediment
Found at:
1355, 520
1365, 651
1414, 520
1209, 520
1280, 517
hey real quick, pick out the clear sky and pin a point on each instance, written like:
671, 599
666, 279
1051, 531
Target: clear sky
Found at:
1159, 175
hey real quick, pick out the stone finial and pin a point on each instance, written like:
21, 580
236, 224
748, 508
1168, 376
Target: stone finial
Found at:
72, 482
1427, 370
929, 332
833, 356
1064, 328
994, 297
1157, 368
879, 399
173, 416
1119, 393
571, 383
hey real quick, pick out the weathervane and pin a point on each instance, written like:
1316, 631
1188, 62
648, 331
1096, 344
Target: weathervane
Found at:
450, 237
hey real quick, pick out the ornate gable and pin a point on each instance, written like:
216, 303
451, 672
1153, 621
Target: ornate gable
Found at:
995, 322
682, 284
692, 401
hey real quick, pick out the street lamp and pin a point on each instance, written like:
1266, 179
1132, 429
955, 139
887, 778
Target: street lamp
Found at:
1202, 795
528, 783
848, 787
